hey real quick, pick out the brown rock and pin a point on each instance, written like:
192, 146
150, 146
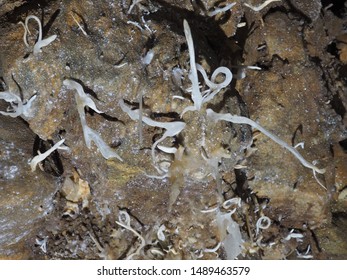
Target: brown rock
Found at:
26, 197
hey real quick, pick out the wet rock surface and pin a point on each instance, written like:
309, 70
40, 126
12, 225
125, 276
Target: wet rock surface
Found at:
83, 206
26, 197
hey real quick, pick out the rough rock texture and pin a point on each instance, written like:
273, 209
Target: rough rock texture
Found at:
8, 6
298, 95
26, 197
310, 9
278, 97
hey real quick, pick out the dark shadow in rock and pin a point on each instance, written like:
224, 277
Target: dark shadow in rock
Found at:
48, 25
19, 88
203, 28
2, 84
242, 188
52, 164
89, 91
172, 115
332, 49
337, 105
343, 144
111, 118
16, 15
298, 129
85, 26
338, 7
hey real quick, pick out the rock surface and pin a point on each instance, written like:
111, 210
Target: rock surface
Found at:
79, 205
26, 197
